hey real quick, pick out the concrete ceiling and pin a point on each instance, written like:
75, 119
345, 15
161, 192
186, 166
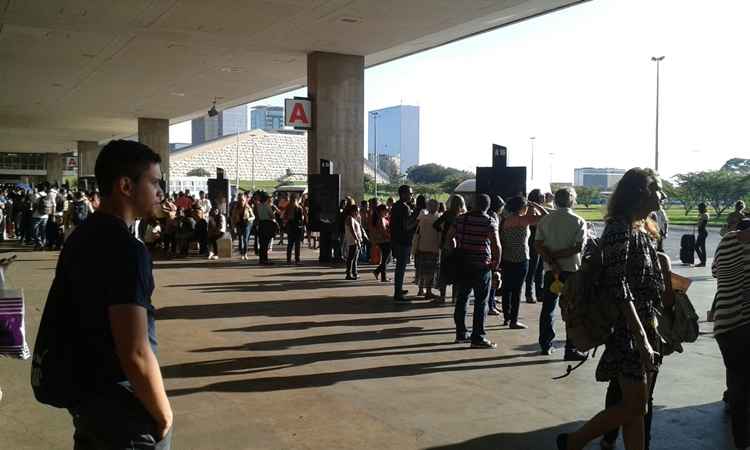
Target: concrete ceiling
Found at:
87, 69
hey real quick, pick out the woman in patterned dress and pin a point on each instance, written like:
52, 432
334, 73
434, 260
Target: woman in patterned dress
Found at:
633, 276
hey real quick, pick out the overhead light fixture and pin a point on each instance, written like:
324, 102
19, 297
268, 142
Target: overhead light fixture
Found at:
213, 112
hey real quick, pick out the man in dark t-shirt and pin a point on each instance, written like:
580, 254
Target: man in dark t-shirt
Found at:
402, 227
104, 281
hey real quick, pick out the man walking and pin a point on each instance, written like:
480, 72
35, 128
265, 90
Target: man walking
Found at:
100, 306
403, 227
560, 236
478, 244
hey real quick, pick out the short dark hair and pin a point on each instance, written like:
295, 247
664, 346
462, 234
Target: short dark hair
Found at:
121, 158
497, 202
404, 189
483, 202
515, 204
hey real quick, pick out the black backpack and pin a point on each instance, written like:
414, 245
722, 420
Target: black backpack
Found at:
52, 364
80, 212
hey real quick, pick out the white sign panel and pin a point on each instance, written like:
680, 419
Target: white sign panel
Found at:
297, 113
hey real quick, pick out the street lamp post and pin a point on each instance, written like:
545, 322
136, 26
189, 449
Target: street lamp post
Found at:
532, 139
658, 60
375, 115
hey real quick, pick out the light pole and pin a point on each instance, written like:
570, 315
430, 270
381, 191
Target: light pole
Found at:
532, 139
658, 60
375, 115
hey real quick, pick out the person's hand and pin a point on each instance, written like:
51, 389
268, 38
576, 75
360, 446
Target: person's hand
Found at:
648, 357
164, 424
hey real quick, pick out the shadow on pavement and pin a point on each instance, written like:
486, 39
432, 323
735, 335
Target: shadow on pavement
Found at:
280, 383
291, 308
698, 427
296, 326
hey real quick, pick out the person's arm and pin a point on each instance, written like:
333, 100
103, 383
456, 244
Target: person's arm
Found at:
548, 257
496, 248
130, 333
348, 222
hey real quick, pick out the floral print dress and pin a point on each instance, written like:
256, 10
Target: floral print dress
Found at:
632, 272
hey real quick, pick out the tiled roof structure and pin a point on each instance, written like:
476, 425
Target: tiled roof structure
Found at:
276, 154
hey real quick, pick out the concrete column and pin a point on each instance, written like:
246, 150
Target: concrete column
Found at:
336, 86
54, 168
88, 151
155, 134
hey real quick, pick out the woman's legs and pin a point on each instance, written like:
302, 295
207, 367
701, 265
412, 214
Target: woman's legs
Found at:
385, 258
351, 262
242, 231
627, 414
515, 274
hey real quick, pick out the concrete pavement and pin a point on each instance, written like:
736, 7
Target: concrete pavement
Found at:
298, 358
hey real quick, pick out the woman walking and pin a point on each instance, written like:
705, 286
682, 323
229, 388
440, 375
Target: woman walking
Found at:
353, 236
446, 276
295, 229
427, 245
514, 240
731, 309
535, 274
381, 236
242, 220
634, 281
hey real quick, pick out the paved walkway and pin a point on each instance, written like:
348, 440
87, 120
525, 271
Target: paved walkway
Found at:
297, 358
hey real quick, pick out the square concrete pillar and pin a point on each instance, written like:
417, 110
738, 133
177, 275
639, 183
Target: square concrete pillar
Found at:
155, 134
55, 168
88, 151
336, 86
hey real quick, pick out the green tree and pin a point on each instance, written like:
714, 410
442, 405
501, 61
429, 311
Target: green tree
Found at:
435, 173
586, 195
737, 165
199, 172
719, 188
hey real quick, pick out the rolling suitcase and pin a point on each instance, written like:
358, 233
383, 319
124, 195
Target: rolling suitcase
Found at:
687, 249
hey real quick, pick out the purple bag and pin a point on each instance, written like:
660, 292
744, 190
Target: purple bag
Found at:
12, 327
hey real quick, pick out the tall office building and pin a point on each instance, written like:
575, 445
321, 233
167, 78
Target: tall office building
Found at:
395, 131
206, 129
267, 118
234, 120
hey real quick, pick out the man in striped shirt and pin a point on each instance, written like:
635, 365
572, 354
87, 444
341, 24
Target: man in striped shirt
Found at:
478, 245
731, 310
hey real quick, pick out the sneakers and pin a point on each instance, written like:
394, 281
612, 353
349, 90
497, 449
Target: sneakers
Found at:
493, 312
547, 352
463, 339
484, 343
517, 326
575, 355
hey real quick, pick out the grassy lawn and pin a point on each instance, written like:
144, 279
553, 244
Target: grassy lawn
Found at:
675, 213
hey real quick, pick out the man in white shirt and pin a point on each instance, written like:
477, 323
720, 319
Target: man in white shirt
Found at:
560, 237
204, 203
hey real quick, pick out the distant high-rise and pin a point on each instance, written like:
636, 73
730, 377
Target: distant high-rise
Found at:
598, 178
267, 118
234, 120
228, 121
395, 130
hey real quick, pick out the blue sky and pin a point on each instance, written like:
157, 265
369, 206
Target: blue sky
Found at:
582, 83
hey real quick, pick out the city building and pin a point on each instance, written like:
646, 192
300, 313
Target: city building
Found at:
598, 178
394, 132
206, 129
234, 120
266, 118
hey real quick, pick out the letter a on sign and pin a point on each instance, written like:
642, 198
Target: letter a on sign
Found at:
297, 113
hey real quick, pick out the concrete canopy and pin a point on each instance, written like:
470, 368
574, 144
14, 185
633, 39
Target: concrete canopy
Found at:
87, 69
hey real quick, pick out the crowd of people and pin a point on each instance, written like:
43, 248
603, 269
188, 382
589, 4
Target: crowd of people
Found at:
493, 246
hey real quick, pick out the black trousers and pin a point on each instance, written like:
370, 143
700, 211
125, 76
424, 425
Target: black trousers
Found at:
294, 241
614, 396
700, 247
115, 420
736, 353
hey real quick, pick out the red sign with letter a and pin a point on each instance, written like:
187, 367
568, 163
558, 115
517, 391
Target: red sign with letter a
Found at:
298, 113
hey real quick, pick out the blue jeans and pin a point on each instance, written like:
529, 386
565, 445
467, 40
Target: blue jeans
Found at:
514, 275
479, 281
401, 252
547, 316
243, 234
39, 230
